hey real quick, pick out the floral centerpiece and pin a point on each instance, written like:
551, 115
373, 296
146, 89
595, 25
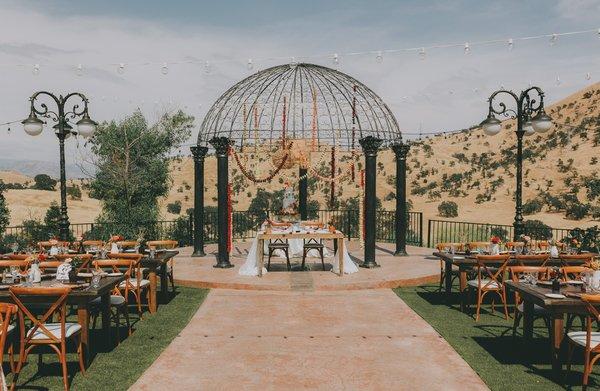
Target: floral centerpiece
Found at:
495, 249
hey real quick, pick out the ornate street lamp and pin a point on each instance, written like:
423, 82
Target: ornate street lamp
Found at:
531, 118
86, 127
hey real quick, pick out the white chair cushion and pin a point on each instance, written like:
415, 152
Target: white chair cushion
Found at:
115, 300
134, 282
475, 284
54, 328
537, 310
579, 338
10, 328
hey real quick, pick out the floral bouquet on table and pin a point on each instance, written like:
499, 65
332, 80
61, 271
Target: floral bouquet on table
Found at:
526, 243
495, 248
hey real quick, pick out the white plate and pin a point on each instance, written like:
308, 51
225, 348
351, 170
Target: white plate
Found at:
575, 282
458, 257
114, 274
84, 275
555, 296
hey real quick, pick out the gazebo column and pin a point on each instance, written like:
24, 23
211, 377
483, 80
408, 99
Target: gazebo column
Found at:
199, 153
221, 145
401, 150
370, 146
303, 194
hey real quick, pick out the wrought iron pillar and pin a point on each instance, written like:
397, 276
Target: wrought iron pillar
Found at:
401, 150
370, 146
221, 145
199, 153
63, 223
303, 194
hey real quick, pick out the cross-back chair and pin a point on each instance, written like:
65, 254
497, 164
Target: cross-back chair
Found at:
447, 247
490, 274
532, 259
167, 245
23, 265
479, 245
513, 245
46, 245
588, 340
7, 311
576, 259
42, 332
16, 257
135, 284
86, 260
282, 245
518, 273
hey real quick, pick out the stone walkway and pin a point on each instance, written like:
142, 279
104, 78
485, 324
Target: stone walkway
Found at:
319, 340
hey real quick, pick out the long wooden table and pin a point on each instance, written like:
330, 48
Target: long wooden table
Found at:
82, 298
338, 237
466, 263
535, 295
157, 266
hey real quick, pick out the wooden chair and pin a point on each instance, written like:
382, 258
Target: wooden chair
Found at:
47, 245
475, 245
135, 284
93, 243
86, 260
489, 279
126, 244
118, 300
167, 245
573, 272
588, 340
532, 259
576, 259
517, 273
17, 257
23, 265
513, 245
7, 310
447, 247
313, 244
42, 333
279, 244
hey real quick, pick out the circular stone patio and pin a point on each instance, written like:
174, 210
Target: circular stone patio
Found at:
416, 269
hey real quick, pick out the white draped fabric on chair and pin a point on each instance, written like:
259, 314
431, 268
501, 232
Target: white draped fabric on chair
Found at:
250, 267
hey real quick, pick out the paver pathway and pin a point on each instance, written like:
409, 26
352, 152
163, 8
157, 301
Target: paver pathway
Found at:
323, 340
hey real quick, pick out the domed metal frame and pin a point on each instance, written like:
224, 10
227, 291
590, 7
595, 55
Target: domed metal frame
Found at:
300, 101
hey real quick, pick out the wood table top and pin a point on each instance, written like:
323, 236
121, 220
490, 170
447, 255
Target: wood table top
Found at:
471, 259
299, 235
537, 294
83, 290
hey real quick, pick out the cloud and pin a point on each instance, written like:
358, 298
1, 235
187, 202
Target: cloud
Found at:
579, 10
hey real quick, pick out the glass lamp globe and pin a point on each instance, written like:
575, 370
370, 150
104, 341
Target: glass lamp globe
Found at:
86, 127
491, 125
528, 128
33, 126
542, 122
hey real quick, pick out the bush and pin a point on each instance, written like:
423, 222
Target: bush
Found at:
577, 211
537, 230
532, 207
44, 182
74, 192
174, 207
448, 209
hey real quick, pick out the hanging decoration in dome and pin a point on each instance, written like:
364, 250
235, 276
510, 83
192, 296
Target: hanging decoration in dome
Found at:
361, 210
229, 219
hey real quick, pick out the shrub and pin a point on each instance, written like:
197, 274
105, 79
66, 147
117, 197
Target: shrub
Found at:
532, 207
44, 182
74, 192
537, 230
448, 209
174, 207
577, 211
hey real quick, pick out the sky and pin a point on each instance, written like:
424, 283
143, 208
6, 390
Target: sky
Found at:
446, 90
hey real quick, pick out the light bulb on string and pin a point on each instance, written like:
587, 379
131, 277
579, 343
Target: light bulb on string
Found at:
553, 39
598, 33
467, 48
335, 59
558, 81
379, 57
36, 69
250, 64
79, 70
530, 84
511, 44
164, 69
206, 67
121, 69
588, 76
422, 54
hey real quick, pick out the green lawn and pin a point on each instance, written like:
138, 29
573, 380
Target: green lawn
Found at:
503, 362
117, 368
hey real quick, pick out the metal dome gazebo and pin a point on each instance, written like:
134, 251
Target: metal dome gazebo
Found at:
309, 105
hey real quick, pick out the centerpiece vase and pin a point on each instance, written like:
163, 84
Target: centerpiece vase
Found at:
554, 252
596, 278
495, 249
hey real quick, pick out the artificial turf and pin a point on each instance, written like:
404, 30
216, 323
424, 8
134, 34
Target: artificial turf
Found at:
117, 368
502, 362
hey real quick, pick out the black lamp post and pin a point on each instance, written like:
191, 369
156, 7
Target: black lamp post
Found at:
531, 118
86, 127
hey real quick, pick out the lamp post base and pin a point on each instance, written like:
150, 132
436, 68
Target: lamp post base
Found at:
369, 265
401, 253
199, 253
223, 265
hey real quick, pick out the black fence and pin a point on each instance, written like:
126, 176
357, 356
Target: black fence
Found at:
439, 231
245, 226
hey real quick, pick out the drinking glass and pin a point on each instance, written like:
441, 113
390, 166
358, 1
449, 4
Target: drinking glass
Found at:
14, 247
96, 276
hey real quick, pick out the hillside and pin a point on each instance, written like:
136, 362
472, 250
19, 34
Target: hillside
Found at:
470, 168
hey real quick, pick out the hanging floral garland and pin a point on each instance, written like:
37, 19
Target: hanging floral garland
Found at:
332, 183
245, 128
314, 121
229, 220
361, 210
250, 175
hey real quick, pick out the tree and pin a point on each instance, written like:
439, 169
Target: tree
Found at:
174, 207
44, 182
74, 192
132, 166
448, 209
51, 220
4, 212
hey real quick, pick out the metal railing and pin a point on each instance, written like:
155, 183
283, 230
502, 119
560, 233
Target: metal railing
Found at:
459, 231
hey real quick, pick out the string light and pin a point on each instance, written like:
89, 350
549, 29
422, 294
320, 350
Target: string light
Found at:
588, 76
553, 39
379, 57
467, 48
422, 54
249, 64
36, 69
206, 67
511, 44
121, 69
164, 69
558, 81
336, 59
79, 70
